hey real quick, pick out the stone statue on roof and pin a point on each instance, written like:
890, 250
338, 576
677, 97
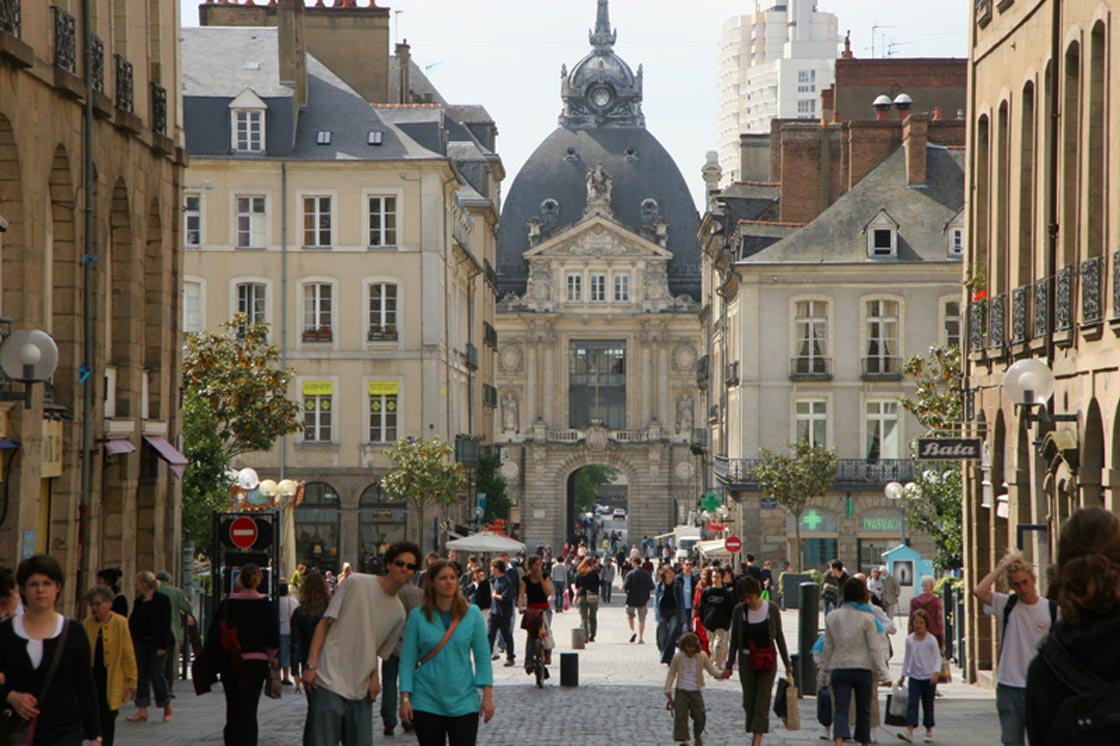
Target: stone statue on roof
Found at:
598, 187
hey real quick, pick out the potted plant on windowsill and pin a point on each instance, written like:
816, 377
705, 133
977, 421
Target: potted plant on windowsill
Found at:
318, 334
382, 332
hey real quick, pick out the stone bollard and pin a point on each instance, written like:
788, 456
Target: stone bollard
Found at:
569, 669
579, 640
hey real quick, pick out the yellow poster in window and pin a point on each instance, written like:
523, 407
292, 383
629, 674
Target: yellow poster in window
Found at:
318, 388
51, 463
383, 388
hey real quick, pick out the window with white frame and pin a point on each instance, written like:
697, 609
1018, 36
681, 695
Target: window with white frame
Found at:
806, 81
811, 419
806, 108
192, 306
248, 130
252, 301
318, 308
882, 236
951, 324
598, 287
383, 400
382, 221
251, 221
811, 330
317, 221
318, 403
881, 324
956, 243
881, 423
382, 317
192, 220
621, 287
575, 288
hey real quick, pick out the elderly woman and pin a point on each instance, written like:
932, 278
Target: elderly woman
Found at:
928, 602
150, 626
853, 657
114, 659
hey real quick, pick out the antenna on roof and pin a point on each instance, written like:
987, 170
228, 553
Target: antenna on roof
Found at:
396, 26
891, 46
874, 29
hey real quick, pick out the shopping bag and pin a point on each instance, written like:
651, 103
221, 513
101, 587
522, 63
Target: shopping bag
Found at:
899, 701
824, 707
793, 715
946, 674
781, 698
889, 718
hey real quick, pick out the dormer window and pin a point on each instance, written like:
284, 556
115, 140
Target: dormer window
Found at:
247, 123
954, 236
882, 237
323, 137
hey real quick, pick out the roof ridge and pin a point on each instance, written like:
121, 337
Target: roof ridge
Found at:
778, 223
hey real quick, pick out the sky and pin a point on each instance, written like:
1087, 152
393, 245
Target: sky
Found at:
506, 55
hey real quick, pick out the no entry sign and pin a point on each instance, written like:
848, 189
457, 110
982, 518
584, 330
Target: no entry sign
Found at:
243, 532
733, 544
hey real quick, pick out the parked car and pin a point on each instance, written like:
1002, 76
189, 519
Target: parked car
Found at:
601, 509
620, 514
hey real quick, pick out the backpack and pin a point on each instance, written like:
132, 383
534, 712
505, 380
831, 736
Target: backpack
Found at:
1091, 715
1011, 601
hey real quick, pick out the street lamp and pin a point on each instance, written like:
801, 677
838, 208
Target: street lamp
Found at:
1030, 383
29, 356
896, 491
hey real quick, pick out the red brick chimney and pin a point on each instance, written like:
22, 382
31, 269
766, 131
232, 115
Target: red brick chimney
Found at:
915, 130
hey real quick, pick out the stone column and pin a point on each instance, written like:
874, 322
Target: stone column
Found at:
647, 363
663, 411
549, 379
531, 410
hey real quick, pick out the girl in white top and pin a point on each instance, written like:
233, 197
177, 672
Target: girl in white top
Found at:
686, 680
923, 665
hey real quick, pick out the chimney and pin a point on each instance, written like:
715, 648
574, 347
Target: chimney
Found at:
903, 103
291, 48
937, 113
915, 132
711, 173
882, 106
404, 63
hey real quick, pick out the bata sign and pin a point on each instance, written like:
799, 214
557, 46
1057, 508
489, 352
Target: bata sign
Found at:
948, 449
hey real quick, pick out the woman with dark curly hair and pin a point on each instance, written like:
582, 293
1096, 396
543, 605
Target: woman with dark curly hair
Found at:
1086, 583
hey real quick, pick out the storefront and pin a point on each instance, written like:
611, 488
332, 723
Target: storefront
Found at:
879, 530
381, 522
318, 522
820, 536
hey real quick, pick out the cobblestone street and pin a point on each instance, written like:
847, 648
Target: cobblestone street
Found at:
618, 703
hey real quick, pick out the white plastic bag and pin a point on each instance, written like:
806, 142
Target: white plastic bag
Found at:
899, 701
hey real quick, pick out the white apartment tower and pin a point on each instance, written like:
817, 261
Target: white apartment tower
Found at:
772, 64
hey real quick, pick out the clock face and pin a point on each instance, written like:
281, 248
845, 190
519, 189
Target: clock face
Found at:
600, 96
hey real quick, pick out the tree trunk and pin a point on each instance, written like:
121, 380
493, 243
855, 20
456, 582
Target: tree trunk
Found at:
797, 533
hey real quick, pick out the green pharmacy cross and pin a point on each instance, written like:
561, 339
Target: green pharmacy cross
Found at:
711, 502
811, 520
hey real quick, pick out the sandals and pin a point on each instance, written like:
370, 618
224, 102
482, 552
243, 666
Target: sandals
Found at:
137, 718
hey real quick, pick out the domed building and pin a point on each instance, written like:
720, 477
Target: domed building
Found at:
598, 338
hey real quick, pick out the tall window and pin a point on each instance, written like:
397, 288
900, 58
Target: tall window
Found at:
252, 301
317, 221
951, 336
806, 81
806, 108
248, 130
382, 221
250, 222
383, 411
811, 327
318, 305
882, 429
597, 383
956, 243
812, 421
621, 288
598, 287
382, 311
882, 338
192, 220
575, 288
192, 307
317, 406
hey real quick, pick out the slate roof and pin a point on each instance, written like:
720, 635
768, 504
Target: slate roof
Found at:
418, 82
836, 235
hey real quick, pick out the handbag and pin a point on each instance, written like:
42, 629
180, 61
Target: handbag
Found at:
432, 653
761, 659
272, 685
946, 675
592, 598
14, 730
824, 707
781, 698
793, 715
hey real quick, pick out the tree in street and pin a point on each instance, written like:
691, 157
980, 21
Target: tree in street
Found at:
588, 481
423, 474
796, 478
205, 484
490, 482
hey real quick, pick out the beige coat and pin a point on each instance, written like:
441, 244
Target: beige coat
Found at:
703, 663
851, 640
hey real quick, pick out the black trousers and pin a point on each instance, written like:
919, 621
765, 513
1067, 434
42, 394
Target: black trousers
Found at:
439, 730
108, 717
241, 705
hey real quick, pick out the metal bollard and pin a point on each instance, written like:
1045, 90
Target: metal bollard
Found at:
807, 634
950, 617
579, 640
569, 669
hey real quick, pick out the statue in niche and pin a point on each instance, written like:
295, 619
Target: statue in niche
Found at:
684, 414
598, 186
510, 415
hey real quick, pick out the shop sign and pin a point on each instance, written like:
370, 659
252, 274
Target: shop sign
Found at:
949, 449
386, 515
881, 524
51, 463
384, 388
816, 520
318, 388
769, 503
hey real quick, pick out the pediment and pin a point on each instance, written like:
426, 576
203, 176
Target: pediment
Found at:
248, 99
597, 237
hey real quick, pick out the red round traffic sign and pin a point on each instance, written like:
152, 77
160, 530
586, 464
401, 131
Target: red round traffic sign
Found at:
733, 544
243, 532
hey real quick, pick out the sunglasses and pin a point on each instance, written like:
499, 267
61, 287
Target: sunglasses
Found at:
407, 565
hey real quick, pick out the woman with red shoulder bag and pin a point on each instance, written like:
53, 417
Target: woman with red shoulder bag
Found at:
757, 638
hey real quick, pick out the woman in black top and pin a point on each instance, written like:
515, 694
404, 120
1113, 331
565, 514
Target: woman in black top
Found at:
536, 587
150, 625
111, 578
245, 637
314, 597
587, 582
69, 710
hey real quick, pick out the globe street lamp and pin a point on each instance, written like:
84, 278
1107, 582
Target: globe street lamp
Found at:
896, 491
1030, 383
29, 356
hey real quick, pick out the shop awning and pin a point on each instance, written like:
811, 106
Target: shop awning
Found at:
167, 452
713, 548
118, 445
9, 445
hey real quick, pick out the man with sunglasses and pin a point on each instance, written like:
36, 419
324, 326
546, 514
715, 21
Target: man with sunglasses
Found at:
364, 621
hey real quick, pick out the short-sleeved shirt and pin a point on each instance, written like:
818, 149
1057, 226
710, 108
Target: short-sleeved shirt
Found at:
1026, 627
367, 623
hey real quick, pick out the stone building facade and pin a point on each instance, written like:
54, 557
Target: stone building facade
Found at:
1042, 246
128, 370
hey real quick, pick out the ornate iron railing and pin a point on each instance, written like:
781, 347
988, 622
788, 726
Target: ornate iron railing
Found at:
65, 40
1091, 307
1041, 299
1019, 299
124, 84
997, 323
159, 109
702, 369
881, 368
810, 367
1063, 299
10, 17
98, 71
853, 472
977, 320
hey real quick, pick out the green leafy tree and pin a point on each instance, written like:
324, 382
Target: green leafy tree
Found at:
796, 478
423, 474
235, 372
205, 485
933, 502
588, 481
489, 481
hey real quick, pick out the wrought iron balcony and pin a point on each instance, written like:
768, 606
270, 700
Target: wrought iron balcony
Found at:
124, 84
10, 17
1063, 299
65, 40
702, 372
881, 368
1092, 309
731, 374
489, 335
159, 109
1020, 297
810, 368
698, 440
98, 66
997, 325
851, 473
470, 357
491, 275
977, 322
1041, 299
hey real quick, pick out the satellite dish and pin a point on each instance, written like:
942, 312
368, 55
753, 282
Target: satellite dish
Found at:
29, 355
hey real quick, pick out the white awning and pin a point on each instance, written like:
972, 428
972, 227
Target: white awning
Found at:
713, 548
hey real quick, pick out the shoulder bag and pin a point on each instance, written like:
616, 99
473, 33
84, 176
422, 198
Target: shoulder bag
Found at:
14, 730
432, 653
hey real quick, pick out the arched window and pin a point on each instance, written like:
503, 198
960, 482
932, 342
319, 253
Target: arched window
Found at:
381, 522
317, 527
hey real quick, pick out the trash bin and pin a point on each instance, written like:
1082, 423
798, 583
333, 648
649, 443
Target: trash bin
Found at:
579, 640
569, 667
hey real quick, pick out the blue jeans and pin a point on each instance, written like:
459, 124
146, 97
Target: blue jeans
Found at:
558, 599
336, 719
919, 689
1011, 703
503, 625
150, 675
390, 667
668, 630
844, 681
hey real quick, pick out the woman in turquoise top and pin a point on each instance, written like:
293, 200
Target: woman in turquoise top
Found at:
440, 698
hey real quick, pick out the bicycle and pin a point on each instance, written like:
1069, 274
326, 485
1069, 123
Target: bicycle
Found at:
536, 657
